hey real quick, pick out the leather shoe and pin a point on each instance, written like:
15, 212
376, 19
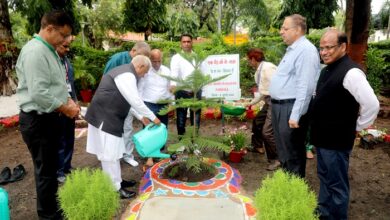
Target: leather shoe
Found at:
18, 173
126, 194
5, 175
273, 166
130, 183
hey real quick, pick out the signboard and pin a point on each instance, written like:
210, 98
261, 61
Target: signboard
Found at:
219, 65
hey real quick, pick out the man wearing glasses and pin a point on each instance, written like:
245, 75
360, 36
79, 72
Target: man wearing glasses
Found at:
65, 152
344, 103
291, 89
43, 98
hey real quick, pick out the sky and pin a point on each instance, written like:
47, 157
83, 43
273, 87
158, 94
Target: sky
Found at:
376, 6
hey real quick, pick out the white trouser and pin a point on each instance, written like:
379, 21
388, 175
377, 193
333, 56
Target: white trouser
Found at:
113, 169
127, 136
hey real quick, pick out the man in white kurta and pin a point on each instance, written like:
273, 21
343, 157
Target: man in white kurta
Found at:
105, 119
154, 87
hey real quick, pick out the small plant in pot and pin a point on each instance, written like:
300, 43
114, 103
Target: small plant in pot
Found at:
192, 147
85, 77
237, 140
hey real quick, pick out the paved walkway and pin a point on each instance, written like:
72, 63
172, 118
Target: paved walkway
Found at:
216, 198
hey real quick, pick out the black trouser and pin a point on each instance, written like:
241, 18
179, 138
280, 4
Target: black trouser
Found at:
181, 113
65, 152
290, 142
262, 131
41, 133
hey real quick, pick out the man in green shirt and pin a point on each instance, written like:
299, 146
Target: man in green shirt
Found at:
43, 97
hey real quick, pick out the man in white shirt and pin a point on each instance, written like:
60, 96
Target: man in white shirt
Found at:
344, 103
182, 68
155, 87
116, 94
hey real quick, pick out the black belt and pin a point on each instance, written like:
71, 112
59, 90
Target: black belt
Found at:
282, 101
39, 113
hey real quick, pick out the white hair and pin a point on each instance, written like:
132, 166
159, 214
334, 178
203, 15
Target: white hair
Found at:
141, 59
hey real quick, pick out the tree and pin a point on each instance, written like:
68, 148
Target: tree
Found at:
318, 13
384, 17
8, 52
255, 14
146, 16
35, 9
102, 17
181, 21
205, 11
357, 26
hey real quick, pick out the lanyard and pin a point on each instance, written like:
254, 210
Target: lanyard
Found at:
51, 48
66, 69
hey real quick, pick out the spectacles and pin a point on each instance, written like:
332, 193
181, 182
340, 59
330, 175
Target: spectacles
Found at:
287, 28
65, 36
327, 48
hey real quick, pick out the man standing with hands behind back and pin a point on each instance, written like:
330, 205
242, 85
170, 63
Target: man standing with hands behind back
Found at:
291, 89
43, 98
182, 68
344, 103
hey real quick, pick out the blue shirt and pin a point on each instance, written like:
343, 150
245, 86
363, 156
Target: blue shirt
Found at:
296, 76
117, 60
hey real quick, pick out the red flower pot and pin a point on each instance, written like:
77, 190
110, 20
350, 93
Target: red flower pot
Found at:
387, 138
250, 114
10, 121
236, 156
86, 95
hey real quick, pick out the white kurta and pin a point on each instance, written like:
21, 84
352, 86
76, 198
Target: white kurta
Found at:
108, 147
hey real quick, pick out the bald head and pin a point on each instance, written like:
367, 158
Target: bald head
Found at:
156, 59
333, 45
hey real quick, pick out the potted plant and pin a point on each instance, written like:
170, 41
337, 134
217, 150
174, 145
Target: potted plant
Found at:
191, 147
85, 78
237, 139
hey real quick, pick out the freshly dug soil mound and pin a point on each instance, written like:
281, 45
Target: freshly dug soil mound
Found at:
178, 171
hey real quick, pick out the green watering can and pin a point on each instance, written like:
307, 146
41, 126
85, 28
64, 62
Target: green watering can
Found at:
150, 140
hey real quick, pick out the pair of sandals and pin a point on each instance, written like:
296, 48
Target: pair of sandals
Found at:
18, 174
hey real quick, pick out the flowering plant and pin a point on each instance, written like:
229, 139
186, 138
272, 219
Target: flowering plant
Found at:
237, 138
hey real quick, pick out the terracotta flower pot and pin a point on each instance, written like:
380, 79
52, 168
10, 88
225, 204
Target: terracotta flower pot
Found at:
86, 95
236, 156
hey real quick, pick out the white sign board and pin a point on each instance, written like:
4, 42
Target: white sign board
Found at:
219, 65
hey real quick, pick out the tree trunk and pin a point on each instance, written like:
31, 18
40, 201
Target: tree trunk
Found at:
147, 33
8, 52
357, 24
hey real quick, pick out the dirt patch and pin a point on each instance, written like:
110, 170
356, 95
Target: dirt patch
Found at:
369, 172
180, 172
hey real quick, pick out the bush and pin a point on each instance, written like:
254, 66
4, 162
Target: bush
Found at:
378, 70
283, 197
88, 194
273, 48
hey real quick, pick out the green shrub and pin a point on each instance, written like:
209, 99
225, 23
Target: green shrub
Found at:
273, 48
378, 70
283, 197
88, 194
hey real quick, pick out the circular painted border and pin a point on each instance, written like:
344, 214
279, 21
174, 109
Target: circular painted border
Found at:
224, 174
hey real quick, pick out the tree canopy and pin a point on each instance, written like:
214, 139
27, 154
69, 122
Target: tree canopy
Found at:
318, 13
146, 16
